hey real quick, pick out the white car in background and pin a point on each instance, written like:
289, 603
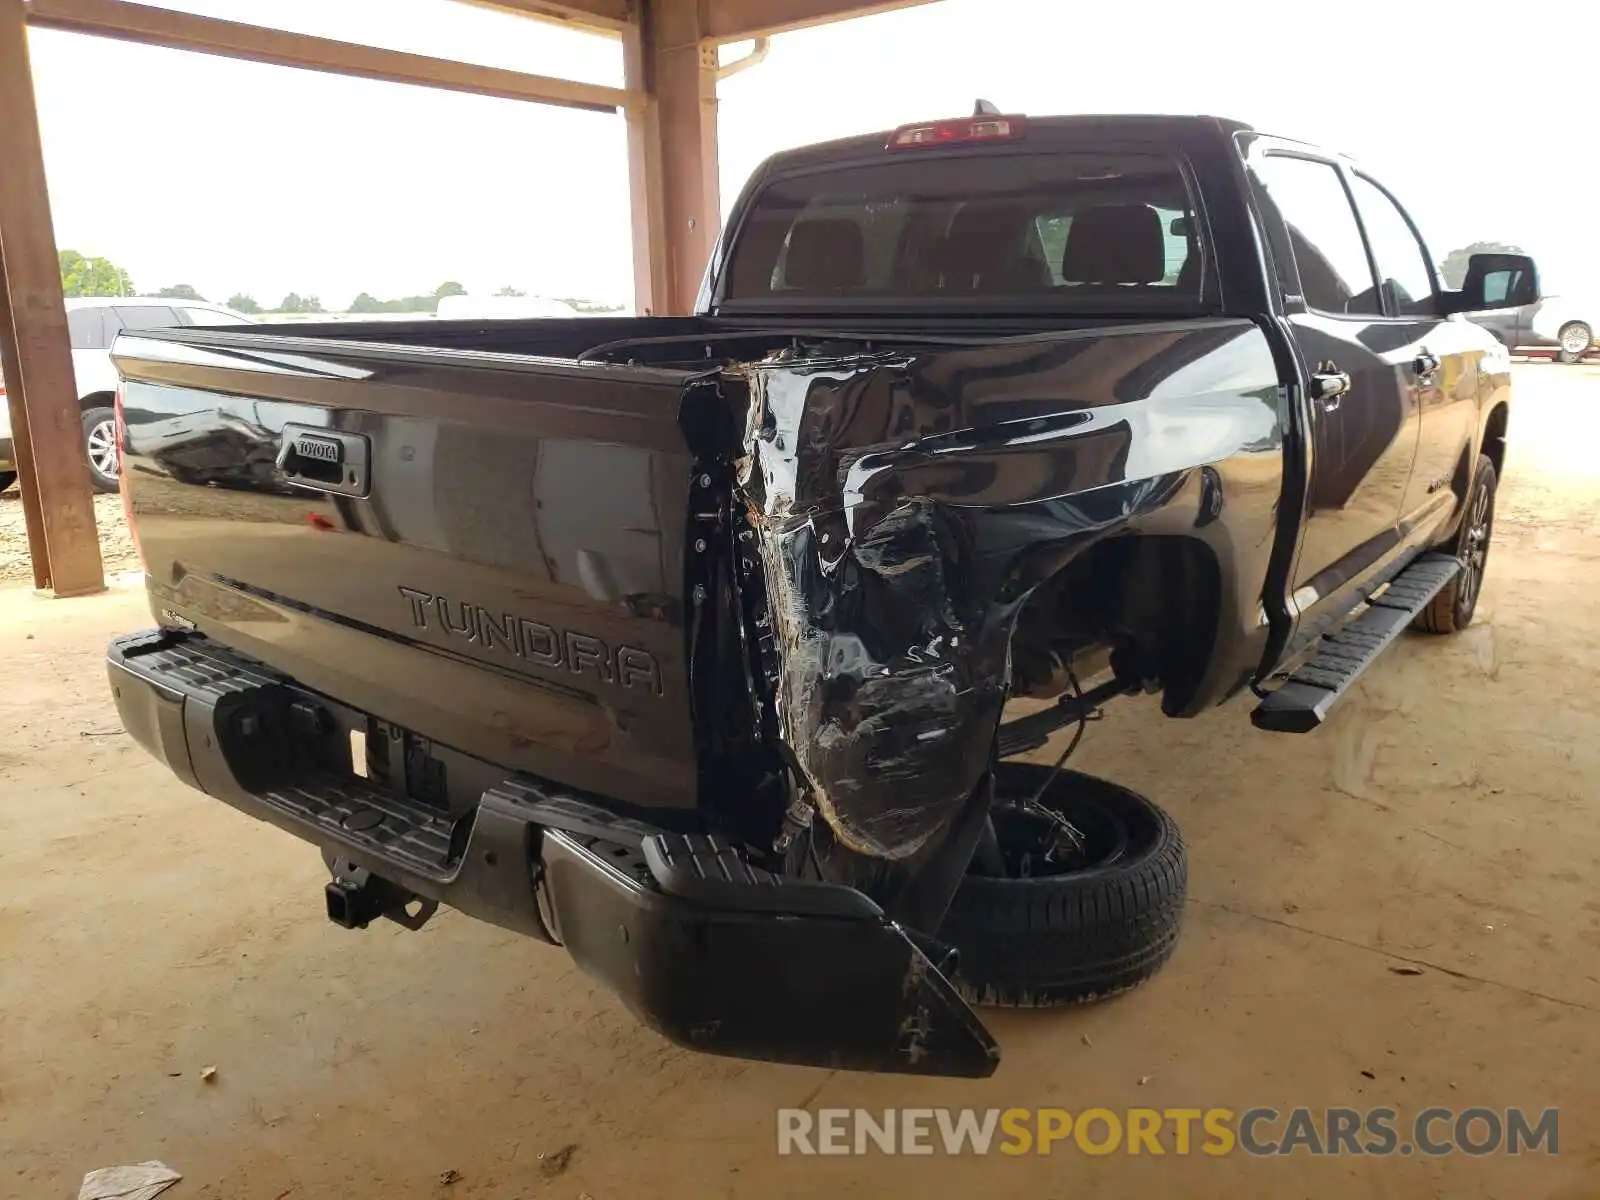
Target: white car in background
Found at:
501, 308
92, 325
8, 460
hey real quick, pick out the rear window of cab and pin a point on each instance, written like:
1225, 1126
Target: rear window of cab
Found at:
1078, 230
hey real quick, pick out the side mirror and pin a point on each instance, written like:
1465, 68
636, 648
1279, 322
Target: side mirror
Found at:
1496, 281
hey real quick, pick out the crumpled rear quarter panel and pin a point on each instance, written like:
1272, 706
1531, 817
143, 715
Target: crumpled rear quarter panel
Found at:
908, 503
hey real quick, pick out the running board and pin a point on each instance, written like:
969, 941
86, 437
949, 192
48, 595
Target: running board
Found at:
1304, 701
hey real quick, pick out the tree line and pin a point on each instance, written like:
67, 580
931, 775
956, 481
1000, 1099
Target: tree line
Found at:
1454, 266
92, 276
82, 275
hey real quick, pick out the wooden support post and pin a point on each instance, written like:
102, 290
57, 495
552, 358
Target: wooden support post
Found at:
45, 423
652, 282
672, 153
21, 447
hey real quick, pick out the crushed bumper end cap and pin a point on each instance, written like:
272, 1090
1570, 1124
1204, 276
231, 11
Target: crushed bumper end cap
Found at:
850, 992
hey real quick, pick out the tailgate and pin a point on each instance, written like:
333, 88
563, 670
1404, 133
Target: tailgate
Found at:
484, 549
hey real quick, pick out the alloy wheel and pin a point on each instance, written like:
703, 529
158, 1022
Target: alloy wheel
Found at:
101, 444
1475, 546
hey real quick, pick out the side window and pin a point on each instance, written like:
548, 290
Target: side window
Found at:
1402, 260
86, 329
210, 316
840, 247
146, 316
1309, 197
1051, 230
1500, 286
1177, 247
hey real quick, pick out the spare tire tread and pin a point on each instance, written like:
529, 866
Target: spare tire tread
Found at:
1075, 938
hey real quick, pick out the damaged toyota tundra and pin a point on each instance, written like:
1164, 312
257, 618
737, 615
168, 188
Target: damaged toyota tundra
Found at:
706, 647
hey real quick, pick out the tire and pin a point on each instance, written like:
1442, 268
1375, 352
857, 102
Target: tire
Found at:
100, 447
1575, 338
1452, 609
1052, 940
7, 478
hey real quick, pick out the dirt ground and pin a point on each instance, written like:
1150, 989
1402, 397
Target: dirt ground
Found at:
1400, 910
116, 543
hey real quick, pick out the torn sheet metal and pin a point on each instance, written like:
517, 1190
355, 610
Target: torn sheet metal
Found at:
907, 504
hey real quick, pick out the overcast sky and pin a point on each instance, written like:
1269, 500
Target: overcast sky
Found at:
233, 176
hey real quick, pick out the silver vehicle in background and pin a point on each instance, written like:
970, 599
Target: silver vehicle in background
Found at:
93, 324
1525, 321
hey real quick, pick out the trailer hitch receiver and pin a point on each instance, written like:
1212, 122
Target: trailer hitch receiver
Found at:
356, 897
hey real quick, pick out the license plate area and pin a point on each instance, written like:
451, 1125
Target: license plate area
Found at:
411, 768
400, 761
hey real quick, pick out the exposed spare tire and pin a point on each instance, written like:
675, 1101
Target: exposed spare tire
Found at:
1074, 918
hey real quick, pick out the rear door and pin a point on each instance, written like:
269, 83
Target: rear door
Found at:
1363, 431
1436, 358
91, 331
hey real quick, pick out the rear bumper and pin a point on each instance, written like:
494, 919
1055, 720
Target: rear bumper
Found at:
726, 961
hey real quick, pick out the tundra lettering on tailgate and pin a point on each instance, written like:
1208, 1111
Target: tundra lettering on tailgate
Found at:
626, 666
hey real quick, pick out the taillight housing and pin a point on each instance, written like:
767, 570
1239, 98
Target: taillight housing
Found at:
983, 128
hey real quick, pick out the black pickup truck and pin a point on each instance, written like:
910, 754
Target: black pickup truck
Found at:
683, 643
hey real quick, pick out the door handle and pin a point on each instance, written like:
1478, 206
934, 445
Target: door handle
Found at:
1329, 387
1425, 364
325, 460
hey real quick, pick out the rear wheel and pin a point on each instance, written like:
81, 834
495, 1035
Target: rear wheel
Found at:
7, 478
1574, 341
1077, 916
1453, 607
100, 447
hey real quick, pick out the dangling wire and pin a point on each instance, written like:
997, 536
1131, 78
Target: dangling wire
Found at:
1034, 805
1077, 736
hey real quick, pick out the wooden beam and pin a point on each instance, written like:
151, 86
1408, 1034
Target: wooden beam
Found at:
735, 20
652, 280
609, 17
46, 425
21, 446
672, 153
232, 39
